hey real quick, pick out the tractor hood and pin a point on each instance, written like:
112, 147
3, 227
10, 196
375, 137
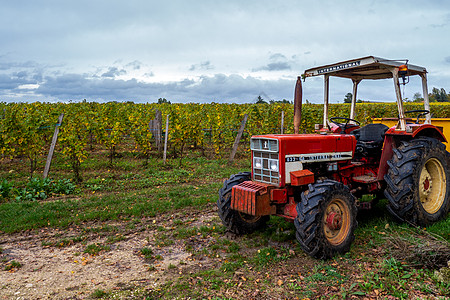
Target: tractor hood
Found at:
275, 156
290, 144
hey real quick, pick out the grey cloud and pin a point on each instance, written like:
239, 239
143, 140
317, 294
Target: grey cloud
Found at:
113, 72
219, 88
206, 65
9, 83
278, 62
447, 59
135, 65
8, 65
37, 76
275, 66
277, 56
21, 74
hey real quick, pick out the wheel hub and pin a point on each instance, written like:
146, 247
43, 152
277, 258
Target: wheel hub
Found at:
334, 221
426, 184
425, 179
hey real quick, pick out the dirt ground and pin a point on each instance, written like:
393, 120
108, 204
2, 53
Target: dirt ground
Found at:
55, 265
52, 272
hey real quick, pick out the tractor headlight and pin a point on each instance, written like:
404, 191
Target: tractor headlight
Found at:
273, 165
258, 163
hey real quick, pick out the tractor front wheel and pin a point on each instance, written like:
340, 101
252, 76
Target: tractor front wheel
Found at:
418, 182
326, 219
237, 222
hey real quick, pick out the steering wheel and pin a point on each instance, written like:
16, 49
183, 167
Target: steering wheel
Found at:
343, 126
421, 113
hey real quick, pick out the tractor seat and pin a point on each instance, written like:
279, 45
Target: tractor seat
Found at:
369, 139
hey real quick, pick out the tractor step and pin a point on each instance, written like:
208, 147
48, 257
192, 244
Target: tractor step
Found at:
365, 179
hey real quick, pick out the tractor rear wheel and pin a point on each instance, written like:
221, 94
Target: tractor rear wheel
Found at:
326, 219
418, 181
237, 222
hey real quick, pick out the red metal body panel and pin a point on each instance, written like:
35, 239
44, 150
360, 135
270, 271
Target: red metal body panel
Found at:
289, 210
388, 150
278, 196
252, 198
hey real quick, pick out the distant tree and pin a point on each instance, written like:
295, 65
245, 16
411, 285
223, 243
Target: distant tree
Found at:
280, 101
163, 100
348, 98
260, 100
444, 96
417, 97
438, 95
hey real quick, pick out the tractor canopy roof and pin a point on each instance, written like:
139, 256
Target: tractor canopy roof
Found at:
369, 67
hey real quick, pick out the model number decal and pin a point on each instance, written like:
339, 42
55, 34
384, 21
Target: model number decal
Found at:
319, 157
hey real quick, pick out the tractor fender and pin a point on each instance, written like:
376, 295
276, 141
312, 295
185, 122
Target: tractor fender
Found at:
418, 130
432, 131
393, 138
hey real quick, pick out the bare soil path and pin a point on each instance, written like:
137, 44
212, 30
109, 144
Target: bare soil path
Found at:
53, 271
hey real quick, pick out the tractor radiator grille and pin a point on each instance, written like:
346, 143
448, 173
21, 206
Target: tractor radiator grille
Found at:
266, 167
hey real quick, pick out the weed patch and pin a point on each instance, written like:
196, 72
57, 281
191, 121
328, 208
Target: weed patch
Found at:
12, 265
147, 253
96, 248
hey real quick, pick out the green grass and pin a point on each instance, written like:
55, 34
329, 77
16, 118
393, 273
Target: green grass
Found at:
98, 294
441, 228
18, 216
149, 191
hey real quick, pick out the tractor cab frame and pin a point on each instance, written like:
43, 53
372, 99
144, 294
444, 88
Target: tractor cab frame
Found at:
373, 68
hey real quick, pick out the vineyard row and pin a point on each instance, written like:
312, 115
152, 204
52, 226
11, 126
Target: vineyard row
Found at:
26, 128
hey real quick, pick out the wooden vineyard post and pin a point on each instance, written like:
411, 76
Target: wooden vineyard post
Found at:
52, 146
155, 127
238, 138
282, 122
165, 138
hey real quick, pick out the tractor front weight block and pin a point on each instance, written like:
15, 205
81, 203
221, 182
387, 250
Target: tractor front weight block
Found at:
252, 198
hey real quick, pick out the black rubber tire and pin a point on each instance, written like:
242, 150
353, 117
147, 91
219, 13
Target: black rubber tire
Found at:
236, 222
403, 181
311, 210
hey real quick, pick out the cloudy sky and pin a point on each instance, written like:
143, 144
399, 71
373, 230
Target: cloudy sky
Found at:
204, 51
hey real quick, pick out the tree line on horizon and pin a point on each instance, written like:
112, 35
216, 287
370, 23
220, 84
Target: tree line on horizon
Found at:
436, 95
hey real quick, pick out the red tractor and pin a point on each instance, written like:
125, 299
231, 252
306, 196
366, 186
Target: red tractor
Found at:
315, 180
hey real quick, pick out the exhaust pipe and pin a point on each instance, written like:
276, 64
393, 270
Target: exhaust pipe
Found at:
297, 105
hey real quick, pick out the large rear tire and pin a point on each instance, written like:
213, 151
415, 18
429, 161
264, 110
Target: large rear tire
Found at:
326, 219
418, 182
237, 222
